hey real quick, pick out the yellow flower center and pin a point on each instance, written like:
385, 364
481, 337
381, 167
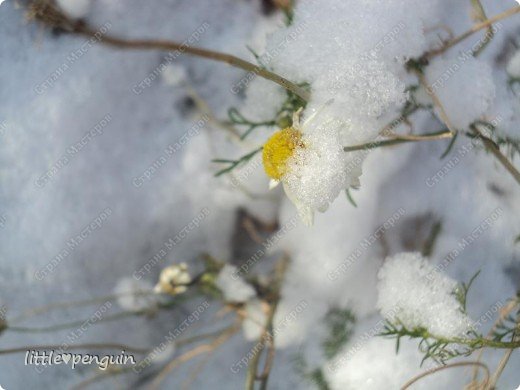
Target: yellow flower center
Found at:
278, 149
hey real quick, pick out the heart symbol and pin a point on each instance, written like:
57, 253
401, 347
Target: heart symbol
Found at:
66, 357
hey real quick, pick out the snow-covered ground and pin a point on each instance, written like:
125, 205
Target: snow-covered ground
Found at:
105, 157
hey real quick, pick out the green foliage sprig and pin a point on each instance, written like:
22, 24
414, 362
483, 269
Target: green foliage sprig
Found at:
442, 349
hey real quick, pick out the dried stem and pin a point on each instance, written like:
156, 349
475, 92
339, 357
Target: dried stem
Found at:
121, 370
504, 313
488, 143
112, 371
47, 12
493, 148
187, 384
26, 348
85, 302
477, 27
503, 362
442, 112
500, 369
422, 137
74, 324
400, 139
192, 353
480, 15
267, 334
440, 368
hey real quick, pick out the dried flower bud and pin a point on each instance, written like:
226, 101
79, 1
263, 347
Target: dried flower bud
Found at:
174, 279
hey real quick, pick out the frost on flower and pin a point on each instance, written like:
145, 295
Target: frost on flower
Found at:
309, 162
413, 293
353, 85
234, 288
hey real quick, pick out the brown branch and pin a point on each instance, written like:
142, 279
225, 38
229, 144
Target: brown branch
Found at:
440, 368
85, 302
505, 359
192, 353
480, 16
436, 101
504, 313
74, 347
422, 137
401, 139
48, 13
110, 372
494, 149
268, 333
155, 44
477, 27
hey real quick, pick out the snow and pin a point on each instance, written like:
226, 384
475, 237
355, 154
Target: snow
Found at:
75, 8
255, 320
131, 296
428, 301
314, 178
234, 288
174, 75
353, 82
377, 366
349, 51
464, 85
263, 99
513, 66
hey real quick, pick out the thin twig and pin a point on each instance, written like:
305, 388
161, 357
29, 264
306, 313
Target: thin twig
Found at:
477, 27
480, 15
47, 12
267, 336
503, 362
235, 163
438, 135
151, 44
252, 368
26, 348
186, 385
121, 370
74, 324
199, 350
493, 148
203, 106
504, 313
100, 376
440, 368
422, 137
85, 302
500, 369
442, 112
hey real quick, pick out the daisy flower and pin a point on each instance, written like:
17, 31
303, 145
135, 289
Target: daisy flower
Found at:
310, 163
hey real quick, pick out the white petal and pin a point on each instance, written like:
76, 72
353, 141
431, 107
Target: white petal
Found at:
305, 212
273, 183
317, 112
296, 119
